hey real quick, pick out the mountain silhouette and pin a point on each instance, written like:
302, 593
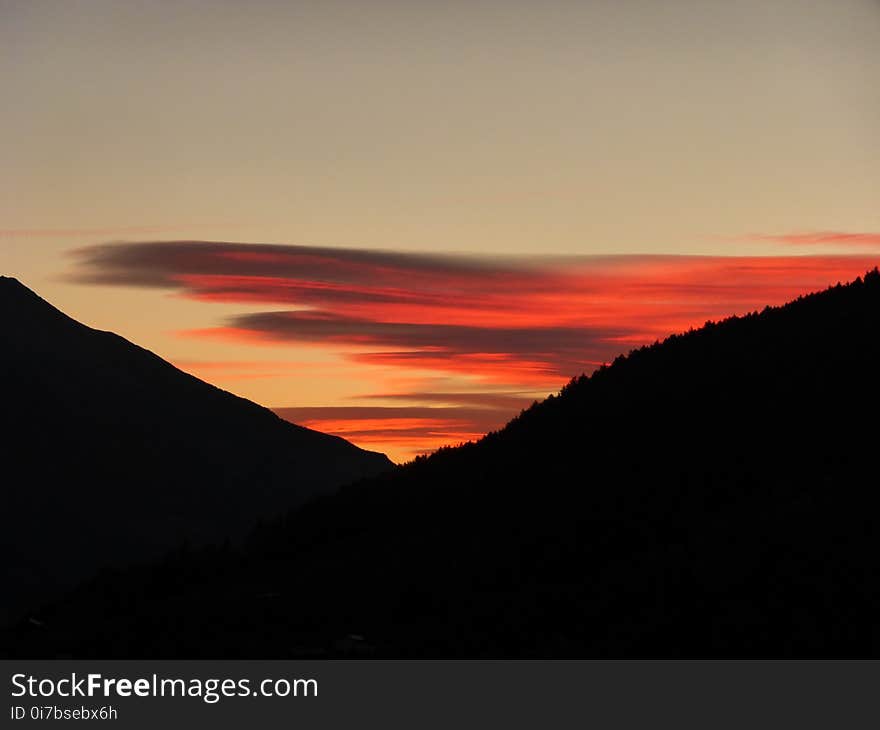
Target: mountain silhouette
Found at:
715, 494
111, 454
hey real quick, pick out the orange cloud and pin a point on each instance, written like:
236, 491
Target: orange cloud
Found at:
247, 369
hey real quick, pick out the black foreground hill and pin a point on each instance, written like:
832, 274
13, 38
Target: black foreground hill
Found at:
713, 495
110, 454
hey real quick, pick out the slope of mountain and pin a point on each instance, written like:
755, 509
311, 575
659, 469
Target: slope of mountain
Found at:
711, 495
111, 454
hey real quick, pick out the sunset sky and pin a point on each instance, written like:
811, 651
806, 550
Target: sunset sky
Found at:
404, 221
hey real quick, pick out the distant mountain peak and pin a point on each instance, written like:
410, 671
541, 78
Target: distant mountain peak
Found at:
12, 289
11, 284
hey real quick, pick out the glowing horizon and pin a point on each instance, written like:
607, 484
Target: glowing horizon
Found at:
444, 348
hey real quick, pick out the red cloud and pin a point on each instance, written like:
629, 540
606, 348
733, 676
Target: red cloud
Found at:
412, 430
823, 237
525, 324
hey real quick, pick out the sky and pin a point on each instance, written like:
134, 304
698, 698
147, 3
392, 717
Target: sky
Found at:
402, 222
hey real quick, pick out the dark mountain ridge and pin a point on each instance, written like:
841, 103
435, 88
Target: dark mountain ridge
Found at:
711, 495
111, 454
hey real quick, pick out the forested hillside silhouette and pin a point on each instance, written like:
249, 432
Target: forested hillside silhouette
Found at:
111, 454
711, 495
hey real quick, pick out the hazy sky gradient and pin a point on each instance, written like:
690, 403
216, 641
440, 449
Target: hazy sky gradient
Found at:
498, 128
